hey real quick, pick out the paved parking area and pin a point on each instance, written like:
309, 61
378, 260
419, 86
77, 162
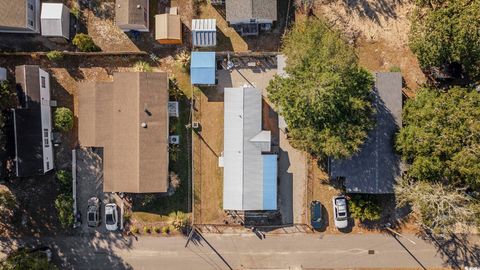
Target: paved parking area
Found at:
90, 184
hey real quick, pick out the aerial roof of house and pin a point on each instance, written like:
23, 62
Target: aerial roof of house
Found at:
202, 68
129, 119
249, 175
28, 122
13, 15
204, 32
168, 27
131, 12
376, 167
241, 10
55, 20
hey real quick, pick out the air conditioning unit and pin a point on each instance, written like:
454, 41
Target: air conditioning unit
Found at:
195, 124
173, 109
174, 139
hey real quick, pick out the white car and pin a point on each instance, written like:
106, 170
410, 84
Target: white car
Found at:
340, 212
111, 217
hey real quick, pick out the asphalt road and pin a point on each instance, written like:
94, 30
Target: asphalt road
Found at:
247, 252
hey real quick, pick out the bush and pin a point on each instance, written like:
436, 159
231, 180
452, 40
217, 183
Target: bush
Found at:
183, 59
64, 177
364, 208
55, 55
156, 229
21, 259
85, 43
142, 66
7, 201
134, 230
395, 69
146, 229
178, 220
63, 119
64, 206
165, 230
174, 180
75, 11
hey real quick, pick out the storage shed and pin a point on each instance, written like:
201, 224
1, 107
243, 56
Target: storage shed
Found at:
204, 33
168, 29
202, 68
55, 20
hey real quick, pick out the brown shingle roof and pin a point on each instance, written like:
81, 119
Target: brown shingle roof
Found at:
13, 14
251, 9
128, 13
135, 158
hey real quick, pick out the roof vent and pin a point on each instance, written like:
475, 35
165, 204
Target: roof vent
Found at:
143, 125
138, 6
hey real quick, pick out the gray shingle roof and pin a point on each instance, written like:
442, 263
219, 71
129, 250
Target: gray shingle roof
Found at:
376, 167
251, 9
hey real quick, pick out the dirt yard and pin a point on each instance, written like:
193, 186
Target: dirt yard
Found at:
379, 30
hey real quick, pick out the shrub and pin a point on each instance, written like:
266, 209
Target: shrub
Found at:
146, 229
395, 69
85, 43
183, 58
134, 230
165, 230
75, 11
364, 208
178, 220
174, 180
64, 206
7, 201
156, 229
55, 55
64, 177
127, 216
142, 66
63, 119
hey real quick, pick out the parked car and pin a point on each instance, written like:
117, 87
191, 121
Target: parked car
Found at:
316, 215
111, 217
340, 212
93, 212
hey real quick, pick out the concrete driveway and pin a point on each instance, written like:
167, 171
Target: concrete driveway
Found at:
90, 184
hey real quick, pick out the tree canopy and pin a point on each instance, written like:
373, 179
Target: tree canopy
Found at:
441, 136
325, 98
447, 32
63, 119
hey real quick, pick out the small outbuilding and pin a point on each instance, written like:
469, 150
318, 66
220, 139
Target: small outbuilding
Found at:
202, 68
3, 74
55, 20
168, 29
132, 15
204, 33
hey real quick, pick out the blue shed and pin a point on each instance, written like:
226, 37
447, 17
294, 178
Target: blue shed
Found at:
202, 68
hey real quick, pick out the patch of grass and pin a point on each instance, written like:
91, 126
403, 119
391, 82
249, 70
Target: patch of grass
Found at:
395, 69
149, 217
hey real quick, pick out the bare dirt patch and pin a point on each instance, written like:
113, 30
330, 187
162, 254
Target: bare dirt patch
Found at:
379, 30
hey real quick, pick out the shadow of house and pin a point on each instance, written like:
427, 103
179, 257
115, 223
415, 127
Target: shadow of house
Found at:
376, 167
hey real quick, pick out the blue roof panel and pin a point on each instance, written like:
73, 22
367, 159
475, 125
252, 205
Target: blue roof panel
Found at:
202, 68
270, 182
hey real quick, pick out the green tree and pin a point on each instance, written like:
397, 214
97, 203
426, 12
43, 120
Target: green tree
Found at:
63, 119
85, 43
364, 208
21, 260
65, 179
6, 101
325, 98
64, 206
440, 136
448, 32
7, 201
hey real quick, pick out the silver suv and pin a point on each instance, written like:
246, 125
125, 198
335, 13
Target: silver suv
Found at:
93, 212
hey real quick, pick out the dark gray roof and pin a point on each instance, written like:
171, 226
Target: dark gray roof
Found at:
376, 167
251, 9
28, 123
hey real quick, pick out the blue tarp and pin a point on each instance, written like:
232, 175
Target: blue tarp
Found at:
270, 182
202, 68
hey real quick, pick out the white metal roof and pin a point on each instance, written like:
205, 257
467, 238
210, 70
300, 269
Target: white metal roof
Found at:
244, 142
55, 20
204, 24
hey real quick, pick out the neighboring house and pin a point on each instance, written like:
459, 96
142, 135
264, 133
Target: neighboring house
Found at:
132, 15
33, 122
376, 167
129, 119
248, 17
20, 16
55, 20
204, 33
168, 29
249, 167
203, 68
